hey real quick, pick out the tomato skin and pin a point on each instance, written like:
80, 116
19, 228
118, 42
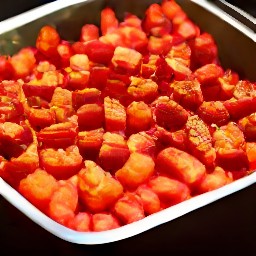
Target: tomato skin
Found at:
180, 165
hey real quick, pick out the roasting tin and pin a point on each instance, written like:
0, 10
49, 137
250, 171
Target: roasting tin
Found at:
237, 50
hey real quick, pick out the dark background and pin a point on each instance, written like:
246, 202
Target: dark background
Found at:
225, 227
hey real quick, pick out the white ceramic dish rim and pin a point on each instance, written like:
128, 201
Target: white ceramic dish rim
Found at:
18, 201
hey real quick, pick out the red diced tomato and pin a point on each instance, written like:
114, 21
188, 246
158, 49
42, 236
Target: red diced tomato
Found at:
150, 200
47, 41
216, 179
16, 169
89, 32
98, 189
126, 60
115, 115
180, 165
38, 187
142, 89
58, 135
89, 143
129, 208
136, 171
229, 143
109, 22
213, 112
139, 117
170, 191
85, 96
169, 114
155, 22
204, 50
142, 143
114, 152
200, 140
23, 63
90, 116
250, 148
81, 222
248, 127
63, 203
99, 52
187, 93
61, 164
41, 118
104, 221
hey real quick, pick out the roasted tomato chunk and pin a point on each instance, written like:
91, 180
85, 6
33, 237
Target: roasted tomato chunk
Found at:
115, 115
98, 189
58, 135
38, 187
180, 165
187, 93
114, 152
213, 112
137, 170
170, 191
63, 203
200, 140
169, 114
129, 208
229, 143
61, 164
